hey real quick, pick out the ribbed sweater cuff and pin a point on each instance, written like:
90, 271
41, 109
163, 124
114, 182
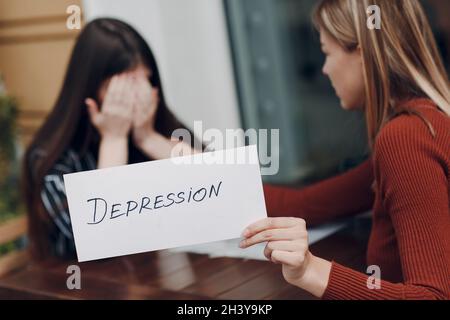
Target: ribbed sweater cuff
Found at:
348, 284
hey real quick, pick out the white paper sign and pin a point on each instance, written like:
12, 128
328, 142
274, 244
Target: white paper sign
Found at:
164, 204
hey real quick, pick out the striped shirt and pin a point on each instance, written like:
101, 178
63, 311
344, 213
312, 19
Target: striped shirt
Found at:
54, 198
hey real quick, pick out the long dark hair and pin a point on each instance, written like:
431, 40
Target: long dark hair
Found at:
105, 47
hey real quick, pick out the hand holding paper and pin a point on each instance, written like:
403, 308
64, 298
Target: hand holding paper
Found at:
164, 204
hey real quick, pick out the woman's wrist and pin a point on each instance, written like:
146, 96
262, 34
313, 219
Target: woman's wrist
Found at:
113, 151
142, 136
155, 145
149, 140
113, 139
316, 276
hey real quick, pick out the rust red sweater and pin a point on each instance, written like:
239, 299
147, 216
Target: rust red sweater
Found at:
410, 237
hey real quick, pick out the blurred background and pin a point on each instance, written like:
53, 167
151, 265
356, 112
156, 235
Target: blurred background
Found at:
230, 63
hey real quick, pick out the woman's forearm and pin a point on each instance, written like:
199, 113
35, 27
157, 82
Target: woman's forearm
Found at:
113, 152
344, 195
156, 146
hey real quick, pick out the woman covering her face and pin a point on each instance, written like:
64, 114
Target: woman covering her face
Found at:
111, 111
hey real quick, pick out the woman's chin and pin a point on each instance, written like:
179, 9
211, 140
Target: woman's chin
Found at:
348, 106
345, 106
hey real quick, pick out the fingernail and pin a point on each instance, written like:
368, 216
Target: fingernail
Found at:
245, 233
242, 244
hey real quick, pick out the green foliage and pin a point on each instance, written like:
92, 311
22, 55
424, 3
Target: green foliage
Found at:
9, 184
9, 164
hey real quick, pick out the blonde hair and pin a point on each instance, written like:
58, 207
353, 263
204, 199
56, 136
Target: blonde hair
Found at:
400, 61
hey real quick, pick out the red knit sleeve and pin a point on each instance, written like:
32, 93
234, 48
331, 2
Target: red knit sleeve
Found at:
347, 194
411, 171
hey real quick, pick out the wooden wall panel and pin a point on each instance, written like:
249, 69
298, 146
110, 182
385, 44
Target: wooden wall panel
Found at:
35, 46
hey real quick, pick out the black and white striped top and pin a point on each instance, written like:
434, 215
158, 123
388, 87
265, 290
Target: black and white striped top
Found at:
54, 198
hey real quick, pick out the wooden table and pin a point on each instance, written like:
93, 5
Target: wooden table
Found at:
170, 275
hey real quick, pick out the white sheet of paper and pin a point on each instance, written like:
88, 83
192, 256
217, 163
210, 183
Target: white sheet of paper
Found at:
230, 248
220, 200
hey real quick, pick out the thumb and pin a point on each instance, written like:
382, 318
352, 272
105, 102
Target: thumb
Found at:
92, 108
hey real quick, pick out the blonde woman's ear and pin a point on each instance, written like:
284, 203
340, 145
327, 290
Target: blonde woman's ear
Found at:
359, 52
358, 48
